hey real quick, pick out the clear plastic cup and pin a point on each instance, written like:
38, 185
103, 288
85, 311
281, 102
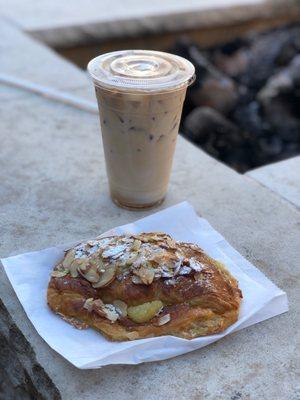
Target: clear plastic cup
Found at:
140, 95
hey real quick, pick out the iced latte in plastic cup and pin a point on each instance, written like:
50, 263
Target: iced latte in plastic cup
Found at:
140, 94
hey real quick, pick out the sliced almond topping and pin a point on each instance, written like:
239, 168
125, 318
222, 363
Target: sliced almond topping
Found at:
103, 310
97, 306
136, 245
136, 280
107, 277
155, 238
139, 261
131, 258
194, 247
121, 307
110, 312
164, 319
98, 303
90, 275
92, 243
68, 259
184, 270
177, 268
59, 273
195, 265
146, 256
166, 272
100, 265
73, 270
170, 281
171, 243
88, 305
82, 263
144, 239
146, 274
114, 251
127, 239
68, 249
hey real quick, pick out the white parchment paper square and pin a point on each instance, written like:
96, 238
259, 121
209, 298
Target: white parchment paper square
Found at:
29, 275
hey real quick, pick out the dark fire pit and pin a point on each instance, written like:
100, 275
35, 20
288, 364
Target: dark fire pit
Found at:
244, 108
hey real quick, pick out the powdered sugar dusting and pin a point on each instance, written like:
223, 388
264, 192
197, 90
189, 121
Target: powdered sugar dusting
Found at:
114, 251
196, 265
148, 257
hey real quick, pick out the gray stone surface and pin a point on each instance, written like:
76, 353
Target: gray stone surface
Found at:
282, 178
31, 15
26, 58
54, 190
61, 23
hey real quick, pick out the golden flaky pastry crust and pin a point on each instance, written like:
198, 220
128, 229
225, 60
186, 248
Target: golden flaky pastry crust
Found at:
132, 287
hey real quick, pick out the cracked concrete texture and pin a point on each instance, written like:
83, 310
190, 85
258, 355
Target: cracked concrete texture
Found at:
53, 190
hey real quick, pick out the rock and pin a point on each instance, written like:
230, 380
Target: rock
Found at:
291, 149
248, 117
290, 48
203, 122
239, 159
280, 100
231, 47
218, 137
267, 53
255, 83
271, 146
218, 93
212, 87
294, 70
281, 82
233, 65
232, 58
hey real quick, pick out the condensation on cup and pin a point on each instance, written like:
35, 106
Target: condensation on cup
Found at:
140, 95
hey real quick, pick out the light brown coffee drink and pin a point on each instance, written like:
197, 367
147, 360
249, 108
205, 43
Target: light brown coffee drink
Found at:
140, 96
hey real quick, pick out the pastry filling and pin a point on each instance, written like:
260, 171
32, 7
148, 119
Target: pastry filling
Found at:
119, 309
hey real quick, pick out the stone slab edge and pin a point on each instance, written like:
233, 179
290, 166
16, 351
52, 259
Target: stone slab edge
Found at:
95, 31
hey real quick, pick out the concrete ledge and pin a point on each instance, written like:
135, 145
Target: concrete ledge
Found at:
61, 25
282, 178
54, 190
26, 58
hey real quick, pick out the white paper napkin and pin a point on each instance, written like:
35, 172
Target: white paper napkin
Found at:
29, 275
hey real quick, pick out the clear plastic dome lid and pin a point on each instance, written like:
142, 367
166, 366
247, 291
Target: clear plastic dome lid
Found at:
141, 70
